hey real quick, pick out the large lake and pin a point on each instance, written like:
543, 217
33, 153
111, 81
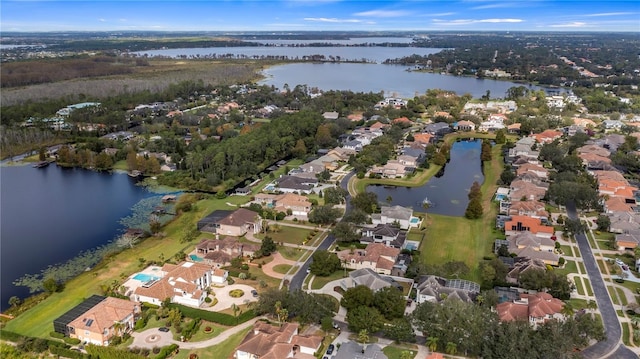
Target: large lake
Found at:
50, 215
393, 80
447, 193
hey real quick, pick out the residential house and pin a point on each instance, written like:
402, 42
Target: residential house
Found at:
593, 149
98, 319
547, 136
331, 115
620, 204
232, 223
624, 222
610, 141
527, 245
535, 209
612, 125
437, 129
296, 184
370, 279
535, 308
353, 350
423, 138
353, 145
184, 283
628, 240
243, 191
494, 123
408, 161
538, 170
376, 256
464, 126
523, 148
519, 224
219, 252
399, 215
521, 265
341, 153
386, 234
392, 169
526, 191
514, 128
584, 122
268, 341
432, 288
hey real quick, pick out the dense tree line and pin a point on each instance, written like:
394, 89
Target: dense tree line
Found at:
32, 72
474, 330
305, 307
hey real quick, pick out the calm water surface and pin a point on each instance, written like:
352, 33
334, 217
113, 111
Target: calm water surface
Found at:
50, 215
448, 193
394, 80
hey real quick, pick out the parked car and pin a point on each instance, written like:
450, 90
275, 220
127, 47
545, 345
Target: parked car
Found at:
619, 261
330, 349
254, 292
625, 268
164, 329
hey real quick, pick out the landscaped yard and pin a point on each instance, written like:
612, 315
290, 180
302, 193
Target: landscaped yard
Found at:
569, 267
292, 253
395, 351
319, 282
222, 350
282, 268
286, 234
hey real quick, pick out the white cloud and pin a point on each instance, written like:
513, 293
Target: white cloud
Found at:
571, 24
102, 20
610, 14
332, 20
383, 13
476, 21
496, 6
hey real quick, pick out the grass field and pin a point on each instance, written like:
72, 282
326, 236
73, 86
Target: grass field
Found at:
395, 351
223, 350
319, 282
281, 268
286, 234
451, 238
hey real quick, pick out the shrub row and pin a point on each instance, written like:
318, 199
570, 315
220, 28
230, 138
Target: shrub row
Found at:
56, 335
110, 353
68, 353
167, 351
220, 318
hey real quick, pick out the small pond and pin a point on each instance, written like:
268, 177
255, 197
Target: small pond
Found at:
447, 192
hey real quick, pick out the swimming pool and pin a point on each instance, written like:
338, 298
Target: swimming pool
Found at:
195, 258
415, 220
143, 277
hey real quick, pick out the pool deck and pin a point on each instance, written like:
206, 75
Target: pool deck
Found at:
132, 284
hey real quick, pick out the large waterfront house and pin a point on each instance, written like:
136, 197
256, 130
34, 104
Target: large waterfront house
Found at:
185, 283
231, 223
98, 319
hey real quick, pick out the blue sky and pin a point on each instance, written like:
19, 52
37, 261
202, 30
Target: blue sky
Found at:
313, 15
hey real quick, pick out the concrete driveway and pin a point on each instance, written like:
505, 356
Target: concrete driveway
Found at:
225, 300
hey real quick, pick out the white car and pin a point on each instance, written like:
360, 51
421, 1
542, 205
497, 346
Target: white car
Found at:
619, 261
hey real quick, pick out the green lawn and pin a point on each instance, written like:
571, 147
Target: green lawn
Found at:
588, 285
223, 350
451, 238
319, 282
579, 287
395, 351
569, 267
566, 250
581, 265
286, 234
200, 335
293, 254
626, 333
282, 268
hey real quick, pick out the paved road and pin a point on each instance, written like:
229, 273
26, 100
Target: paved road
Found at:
611, 347
297, 280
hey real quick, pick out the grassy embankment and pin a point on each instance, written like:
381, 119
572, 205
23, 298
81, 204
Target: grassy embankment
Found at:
448, 238
38, 321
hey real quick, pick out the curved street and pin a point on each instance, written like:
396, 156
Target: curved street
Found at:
612, 347
296, 281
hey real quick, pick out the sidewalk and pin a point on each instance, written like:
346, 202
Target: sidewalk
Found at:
154, 338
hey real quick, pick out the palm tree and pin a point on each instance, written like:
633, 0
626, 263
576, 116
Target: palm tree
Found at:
118, 327
567, 310
236, 311
363, 337
591, 304
452, 348
432, 343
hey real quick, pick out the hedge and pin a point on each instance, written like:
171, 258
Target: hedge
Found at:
68, 353
72, 341
167, 351
220, 318
56, 335
111, 353
149, 305
11, 336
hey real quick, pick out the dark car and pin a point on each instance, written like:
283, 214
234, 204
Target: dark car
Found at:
254, 293
330, 349
164, 329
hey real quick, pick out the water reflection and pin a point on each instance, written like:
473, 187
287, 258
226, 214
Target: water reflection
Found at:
448, 192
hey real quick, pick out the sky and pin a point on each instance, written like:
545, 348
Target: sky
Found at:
320, 15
